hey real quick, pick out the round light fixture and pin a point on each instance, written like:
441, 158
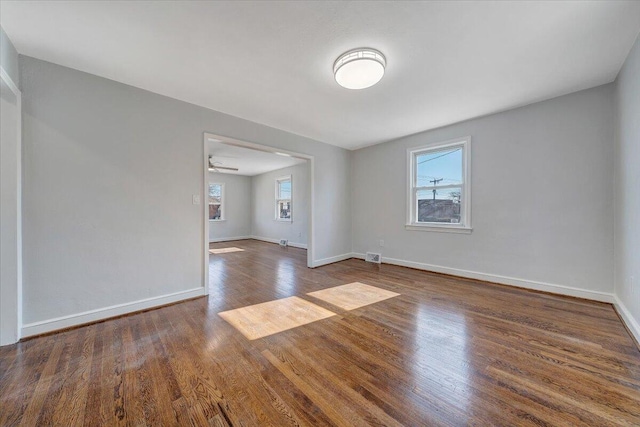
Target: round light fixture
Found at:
359, 68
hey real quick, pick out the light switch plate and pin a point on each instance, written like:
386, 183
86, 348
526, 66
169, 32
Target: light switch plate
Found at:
196, 199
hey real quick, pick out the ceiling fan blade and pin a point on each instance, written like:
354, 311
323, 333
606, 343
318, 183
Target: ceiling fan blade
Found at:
213, 166
223, 167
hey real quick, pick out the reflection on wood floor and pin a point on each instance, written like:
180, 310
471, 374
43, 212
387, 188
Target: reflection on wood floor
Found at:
445, 351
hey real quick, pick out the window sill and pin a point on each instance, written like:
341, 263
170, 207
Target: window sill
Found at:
217, 220
439, 228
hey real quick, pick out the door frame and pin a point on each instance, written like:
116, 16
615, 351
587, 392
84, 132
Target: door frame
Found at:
15, 322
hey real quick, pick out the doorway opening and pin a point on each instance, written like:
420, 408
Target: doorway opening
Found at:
254, 191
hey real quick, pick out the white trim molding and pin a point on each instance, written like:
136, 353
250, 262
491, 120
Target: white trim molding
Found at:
229, 239
11, 290
270, 240
627, 318
439, 228
503, 280
331, 260
9, 81
51, 325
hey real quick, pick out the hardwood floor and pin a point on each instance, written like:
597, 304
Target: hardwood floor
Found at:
446, 351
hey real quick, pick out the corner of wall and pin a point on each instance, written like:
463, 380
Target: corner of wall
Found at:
627, 318
626, 182
352, 156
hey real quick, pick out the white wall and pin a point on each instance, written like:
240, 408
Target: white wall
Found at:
10, 195
9, 57
627, 189
237, 207
264, 224
110, 171
542, 198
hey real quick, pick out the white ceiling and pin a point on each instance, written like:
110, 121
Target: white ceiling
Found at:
248, 161
271, 62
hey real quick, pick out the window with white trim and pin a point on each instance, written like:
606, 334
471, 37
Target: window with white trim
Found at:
216, 202
284, 192
439, 196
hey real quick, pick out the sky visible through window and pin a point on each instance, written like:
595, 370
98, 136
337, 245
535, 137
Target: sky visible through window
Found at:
285, 189
442, 166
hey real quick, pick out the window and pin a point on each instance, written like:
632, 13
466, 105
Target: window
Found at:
439, 196
283, 198
216, 206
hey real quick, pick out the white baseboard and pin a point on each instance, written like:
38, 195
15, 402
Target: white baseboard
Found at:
270, 240
331, 260
627, 318
503, 280
228, 239
50, 325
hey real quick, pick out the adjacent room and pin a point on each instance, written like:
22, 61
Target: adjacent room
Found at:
256, 193
349, 213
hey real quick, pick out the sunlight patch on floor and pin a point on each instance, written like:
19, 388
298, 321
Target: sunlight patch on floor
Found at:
260, 320
353, 295
225, 250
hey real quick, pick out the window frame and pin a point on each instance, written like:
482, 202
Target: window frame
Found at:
464, 226
278, 200
222, 208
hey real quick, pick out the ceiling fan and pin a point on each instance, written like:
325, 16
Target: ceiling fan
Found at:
217, 166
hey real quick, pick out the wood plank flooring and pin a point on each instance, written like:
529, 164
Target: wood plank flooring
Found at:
446, 351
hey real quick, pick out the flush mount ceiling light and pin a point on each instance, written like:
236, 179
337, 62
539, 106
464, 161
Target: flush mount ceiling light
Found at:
359, 68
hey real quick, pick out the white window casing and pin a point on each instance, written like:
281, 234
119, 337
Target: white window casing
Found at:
284, 199
460, 189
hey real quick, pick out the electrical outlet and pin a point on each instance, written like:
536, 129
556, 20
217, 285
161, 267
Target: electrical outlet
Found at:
381, 242
196, 199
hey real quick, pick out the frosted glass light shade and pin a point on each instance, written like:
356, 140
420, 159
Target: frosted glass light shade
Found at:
359, 68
